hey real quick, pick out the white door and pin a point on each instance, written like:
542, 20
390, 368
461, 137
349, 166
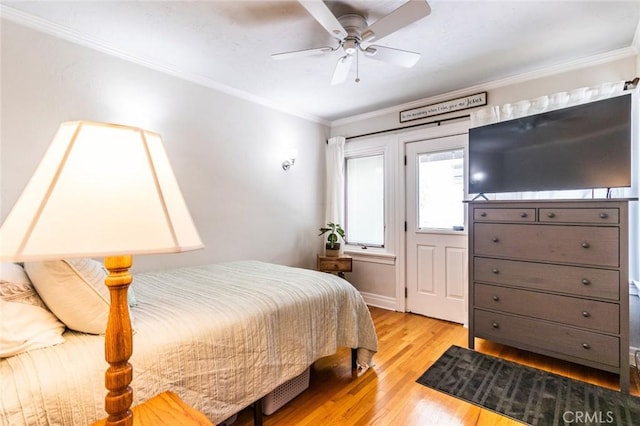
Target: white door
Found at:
436, 240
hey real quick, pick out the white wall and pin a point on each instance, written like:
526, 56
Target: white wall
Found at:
369, 273
226, 152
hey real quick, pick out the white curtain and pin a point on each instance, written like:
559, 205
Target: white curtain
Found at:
335, 180
494, 113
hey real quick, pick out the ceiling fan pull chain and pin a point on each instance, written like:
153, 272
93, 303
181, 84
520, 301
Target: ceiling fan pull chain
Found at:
357, 66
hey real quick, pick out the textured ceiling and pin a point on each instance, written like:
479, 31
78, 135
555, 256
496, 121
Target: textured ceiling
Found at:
228, 44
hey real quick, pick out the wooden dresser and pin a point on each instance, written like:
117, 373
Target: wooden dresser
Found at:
552, 277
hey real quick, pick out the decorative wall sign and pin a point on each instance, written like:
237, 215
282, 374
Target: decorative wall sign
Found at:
471, 101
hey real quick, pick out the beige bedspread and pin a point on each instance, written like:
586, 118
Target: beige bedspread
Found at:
221, 336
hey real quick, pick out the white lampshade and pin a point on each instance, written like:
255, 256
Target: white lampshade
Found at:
100, 190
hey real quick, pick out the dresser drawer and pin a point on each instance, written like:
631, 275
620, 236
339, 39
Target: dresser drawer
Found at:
534, 334
334, 264
512, 215
585, 313
574, 280
589, 245
608, 216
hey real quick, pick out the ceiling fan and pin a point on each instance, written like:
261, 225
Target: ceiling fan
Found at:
355, 35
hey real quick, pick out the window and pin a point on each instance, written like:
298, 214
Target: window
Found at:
441, 190
370, 169
365, 200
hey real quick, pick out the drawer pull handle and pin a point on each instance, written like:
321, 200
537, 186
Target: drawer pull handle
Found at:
523, 214
586, 281
495, 270
496, 298
586, 346
495, 325
585, 245
551, 214
483, 214
586, 314
495, 239
603, 215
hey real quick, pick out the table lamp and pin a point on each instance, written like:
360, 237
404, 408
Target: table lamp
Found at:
102, 190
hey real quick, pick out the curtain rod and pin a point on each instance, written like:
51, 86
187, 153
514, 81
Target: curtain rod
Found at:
437, 122
628, 85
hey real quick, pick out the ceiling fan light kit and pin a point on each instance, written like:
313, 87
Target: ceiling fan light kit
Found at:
354, 34
350, 46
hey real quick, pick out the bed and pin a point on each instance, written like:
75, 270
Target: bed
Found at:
221, 336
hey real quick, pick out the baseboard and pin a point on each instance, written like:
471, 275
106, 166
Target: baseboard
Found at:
378, 301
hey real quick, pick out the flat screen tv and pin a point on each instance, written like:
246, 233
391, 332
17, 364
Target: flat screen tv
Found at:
579, 147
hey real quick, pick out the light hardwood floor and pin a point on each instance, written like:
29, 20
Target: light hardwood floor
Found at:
388, 393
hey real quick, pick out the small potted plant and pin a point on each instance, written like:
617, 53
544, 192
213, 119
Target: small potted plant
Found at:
332, 247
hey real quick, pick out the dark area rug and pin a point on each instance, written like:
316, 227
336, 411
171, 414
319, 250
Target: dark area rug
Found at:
527, 394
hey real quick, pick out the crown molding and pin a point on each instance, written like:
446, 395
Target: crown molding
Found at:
577, 64
635, 44
76, 37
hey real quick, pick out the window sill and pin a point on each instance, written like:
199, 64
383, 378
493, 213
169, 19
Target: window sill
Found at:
371, 255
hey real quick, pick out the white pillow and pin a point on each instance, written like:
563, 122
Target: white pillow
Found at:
75, 292
26, 327
15, 286
25, 323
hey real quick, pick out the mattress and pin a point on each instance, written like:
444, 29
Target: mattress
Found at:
221, 336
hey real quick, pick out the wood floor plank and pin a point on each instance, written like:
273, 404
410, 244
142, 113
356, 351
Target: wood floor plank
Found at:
387, 394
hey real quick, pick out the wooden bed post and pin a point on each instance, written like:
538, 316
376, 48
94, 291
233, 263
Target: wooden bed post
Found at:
118, 343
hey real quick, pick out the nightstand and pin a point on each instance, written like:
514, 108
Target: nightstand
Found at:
166, 409
335, 264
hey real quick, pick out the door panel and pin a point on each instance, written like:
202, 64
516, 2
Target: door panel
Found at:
456, 272
436, 262
426, 281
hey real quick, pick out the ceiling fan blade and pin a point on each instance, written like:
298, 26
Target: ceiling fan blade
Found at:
342, 69
411, 11
302, 53
403, 58
323, 15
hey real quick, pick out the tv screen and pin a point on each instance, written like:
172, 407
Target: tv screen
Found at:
580, 147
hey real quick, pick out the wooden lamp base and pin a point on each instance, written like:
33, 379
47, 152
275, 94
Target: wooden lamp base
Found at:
118, 343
